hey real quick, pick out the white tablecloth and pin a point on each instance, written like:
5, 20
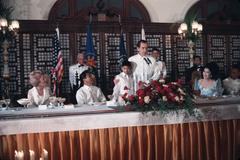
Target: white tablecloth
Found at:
111, 120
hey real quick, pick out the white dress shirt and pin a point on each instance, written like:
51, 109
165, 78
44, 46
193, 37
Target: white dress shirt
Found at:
73, 69
124, 85
162, 67
36, 99
89, 95
144, 69
231, 86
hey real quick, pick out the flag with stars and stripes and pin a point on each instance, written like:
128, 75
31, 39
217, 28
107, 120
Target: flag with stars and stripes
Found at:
58, 71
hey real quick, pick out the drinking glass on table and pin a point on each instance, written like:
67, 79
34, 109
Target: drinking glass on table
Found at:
61, 101
24, 102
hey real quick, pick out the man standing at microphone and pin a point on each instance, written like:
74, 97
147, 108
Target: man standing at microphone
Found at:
144, 67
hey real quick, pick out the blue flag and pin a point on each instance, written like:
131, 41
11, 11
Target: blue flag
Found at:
123, 53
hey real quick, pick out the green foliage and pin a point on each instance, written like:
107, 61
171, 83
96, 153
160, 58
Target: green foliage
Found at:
5, 10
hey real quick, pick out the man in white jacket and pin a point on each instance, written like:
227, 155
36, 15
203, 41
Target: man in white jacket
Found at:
160, 64
76, 70
144, 67
88, 93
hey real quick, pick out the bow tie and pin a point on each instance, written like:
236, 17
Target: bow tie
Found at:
147, 60
80, 65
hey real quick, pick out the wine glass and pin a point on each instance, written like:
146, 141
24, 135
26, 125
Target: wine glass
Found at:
61, 101
24, 102
53, 101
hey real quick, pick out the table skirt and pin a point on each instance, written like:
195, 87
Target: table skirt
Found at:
210, 140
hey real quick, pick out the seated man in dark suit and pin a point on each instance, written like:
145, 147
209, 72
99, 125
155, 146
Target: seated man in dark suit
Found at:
194, 72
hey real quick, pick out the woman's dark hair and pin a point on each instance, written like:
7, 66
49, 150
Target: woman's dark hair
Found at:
214, 69
83, 75
236, 66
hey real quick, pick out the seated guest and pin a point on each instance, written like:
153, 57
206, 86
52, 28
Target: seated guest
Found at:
124, 83
194, 73
231, 84
88, 93
40, 93
160, 64
209, 86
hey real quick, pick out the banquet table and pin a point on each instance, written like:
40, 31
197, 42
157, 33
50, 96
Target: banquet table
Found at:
102, 132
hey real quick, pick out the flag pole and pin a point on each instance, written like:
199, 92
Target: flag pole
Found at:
143, 36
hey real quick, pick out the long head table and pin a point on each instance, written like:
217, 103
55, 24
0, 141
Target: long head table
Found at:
72, 134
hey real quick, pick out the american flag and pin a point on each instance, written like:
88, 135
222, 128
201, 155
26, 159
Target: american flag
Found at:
123, 53
57, 61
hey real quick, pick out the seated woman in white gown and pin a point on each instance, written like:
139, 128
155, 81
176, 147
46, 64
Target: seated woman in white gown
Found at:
88, 93
208, 86
40, 93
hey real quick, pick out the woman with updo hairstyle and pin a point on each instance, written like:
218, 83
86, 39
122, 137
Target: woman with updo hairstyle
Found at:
40, 92
210, 84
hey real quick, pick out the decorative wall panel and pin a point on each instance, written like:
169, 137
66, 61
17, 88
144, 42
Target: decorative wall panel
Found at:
169, 54
112, 55
27, 65
14, 66
217, 51
234, 49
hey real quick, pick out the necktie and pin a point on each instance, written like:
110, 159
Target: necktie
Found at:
80, 65
149, 61
145, 59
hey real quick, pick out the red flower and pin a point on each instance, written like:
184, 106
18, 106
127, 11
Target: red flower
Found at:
141, 92
160, 90
155, 83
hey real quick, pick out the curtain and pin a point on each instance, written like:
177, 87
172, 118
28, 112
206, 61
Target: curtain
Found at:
210, 140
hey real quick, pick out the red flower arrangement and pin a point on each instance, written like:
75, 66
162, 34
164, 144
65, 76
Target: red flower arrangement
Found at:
159, 96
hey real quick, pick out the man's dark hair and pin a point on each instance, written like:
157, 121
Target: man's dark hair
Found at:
156, 49
83, 75
141, 41
194, 57
236, 66
126, 63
